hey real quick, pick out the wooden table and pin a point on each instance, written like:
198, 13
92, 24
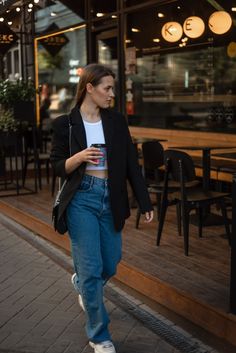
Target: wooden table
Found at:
226, 155
209, 219
140, 140
206, 159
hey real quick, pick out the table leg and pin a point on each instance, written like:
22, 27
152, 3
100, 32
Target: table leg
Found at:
209, 219
206, 168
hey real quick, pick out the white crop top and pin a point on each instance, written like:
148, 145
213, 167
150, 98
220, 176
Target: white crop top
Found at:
95, 135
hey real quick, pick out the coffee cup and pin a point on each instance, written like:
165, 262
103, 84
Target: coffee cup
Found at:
102, 147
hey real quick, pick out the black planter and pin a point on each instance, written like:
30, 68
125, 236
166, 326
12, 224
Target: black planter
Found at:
8, 139
24, 111
2, 166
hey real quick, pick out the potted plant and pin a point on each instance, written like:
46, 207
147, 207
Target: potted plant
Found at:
19, 96
7, 122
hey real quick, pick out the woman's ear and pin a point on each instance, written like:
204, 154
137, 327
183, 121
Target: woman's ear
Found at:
89, 87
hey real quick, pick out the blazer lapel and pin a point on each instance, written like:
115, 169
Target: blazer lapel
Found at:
108, 129
78, 130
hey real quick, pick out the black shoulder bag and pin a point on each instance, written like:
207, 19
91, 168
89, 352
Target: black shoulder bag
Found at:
59, 222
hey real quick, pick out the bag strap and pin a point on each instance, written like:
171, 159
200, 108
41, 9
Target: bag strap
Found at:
60, 187
70, 133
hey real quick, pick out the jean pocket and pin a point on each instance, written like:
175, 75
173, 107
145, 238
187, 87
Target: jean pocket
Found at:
85, 186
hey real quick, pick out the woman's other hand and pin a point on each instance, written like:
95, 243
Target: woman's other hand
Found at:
148, 216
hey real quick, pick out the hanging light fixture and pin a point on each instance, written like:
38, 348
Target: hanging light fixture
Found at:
220, 22
172, 31
231, 50
193, 27
135, 30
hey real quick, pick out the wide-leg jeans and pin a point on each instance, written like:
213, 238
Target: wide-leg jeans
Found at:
96, 250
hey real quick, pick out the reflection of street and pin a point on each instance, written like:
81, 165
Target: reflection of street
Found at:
60, 105
193, 98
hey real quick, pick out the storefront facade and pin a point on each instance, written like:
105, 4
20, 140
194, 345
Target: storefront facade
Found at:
175, 61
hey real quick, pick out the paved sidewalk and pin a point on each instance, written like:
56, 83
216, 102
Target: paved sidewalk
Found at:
39, 311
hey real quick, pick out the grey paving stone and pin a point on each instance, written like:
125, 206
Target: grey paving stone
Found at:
39, 312
60, 347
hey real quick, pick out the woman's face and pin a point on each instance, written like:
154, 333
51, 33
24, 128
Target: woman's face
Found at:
103, 93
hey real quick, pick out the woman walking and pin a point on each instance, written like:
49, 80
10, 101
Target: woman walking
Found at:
97, 163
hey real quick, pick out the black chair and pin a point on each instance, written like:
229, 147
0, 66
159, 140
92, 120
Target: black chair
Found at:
153, 171
189, 196
34, 155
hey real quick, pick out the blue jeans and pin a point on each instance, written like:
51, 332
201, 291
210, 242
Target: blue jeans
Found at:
96, 250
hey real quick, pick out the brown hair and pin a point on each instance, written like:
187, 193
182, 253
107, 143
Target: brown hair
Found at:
92, 73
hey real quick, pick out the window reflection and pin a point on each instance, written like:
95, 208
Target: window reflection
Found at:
188, 84
58, 14
102, 8
59, 70
107, 55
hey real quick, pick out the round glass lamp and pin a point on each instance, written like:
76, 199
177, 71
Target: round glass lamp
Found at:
172, 31
193, 27
231, 50
220, 22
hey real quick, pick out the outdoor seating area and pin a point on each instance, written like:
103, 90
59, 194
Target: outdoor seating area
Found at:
23, 156
189, 196
199, 281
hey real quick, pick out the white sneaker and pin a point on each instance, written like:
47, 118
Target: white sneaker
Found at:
73, 279
103, 347
81, 303
80, 300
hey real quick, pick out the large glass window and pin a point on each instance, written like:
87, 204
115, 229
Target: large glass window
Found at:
59, 59
12, 63
59, 14
102, 8
9, 63
107, 55
186, 84
16, 62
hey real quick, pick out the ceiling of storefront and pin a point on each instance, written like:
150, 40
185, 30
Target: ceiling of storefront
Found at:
173, 10
76, 6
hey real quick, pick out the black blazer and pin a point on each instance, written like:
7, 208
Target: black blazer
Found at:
121, 159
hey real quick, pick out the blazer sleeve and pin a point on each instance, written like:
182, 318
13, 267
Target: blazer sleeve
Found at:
135, 176
60, 151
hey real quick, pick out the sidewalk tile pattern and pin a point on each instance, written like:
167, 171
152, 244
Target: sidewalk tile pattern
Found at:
39, 311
